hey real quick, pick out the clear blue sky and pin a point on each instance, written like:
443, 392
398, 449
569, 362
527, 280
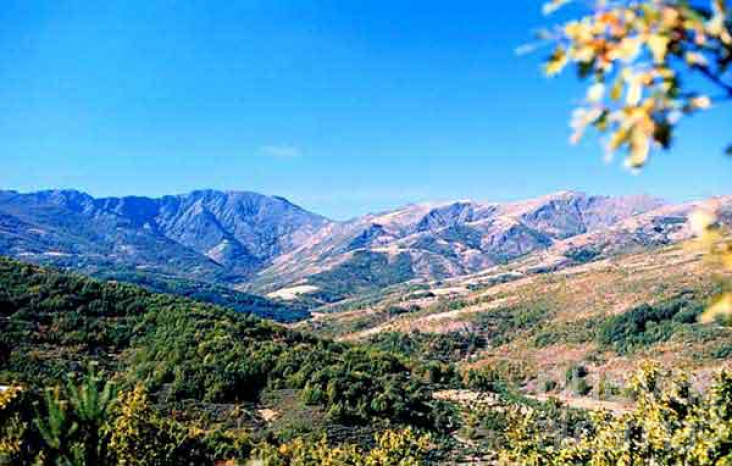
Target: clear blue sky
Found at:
343, 106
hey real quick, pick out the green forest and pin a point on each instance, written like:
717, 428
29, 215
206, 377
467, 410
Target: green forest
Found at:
83, 352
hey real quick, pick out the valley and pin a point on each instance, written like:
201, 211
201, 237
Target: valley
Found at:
531, 281
549, 321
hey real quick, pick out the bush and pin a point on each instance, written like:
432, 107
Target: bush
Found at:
139, 436
449, 347
498, 376
549, 385
582, 388
404, 447
665, 428
574, 372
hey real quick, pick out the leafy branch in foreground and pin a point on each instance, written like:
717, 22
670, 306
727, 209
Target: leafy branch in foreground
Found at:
637, 55
671, 424
711, 237
73, 425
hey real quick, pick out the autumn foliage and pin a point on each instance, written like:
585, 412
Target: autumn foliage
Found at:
640, 58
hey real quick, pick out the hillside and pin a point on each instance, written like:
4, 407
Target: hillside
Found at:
204, 365
247, 240
541, 315
205, 235
421, 244
440, 240
452, 358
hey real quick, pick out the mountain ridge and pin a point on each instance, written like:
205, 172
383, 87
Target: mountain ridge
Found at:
203, 223
258, 243
454, 238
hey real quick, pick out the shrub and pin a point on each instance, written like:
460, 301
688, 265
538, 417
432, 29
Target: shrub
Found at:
582, 387
549, 385
139, 436
392, 448
665, 428
575, 372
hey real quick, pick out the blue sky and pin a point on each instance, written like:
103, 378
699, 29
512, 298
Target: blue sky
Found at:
343, 106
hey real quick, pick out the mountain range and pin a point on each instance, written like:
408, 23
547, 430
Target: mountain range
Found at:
265, 244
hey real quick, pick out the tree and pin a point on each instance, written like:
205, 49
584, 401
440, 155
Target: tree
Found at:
671, 424
139, 436
58, 431
639, 57
392, 448
92, 402
12, 427
73, 425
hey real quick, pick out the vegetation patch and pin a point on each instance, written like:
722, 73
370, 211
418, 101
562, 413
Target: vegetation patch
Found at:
647, 324
365, 271
448, 347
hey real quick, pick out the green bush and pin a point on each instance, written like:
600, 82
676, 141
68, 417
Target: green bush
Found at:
364, 271
448, 347
666, 427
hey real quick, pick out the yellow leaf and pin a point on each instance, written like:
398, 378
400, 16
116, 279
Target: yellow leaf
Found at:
670, 17
618, 139
701, 102
701, 220
727, 260
721, 308
616, 92
596, 92
556, 62
640, 146
635, 91
581, 118
695, 59
659, 46
717, 25
628, 49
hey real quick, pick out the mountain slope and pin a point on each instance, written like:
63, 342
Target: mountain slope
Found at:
208, 235
207, 358
256, 243
451, 239
606, 315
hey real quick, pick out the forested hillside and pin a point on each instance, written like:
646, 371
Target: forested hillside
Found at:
200, 365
